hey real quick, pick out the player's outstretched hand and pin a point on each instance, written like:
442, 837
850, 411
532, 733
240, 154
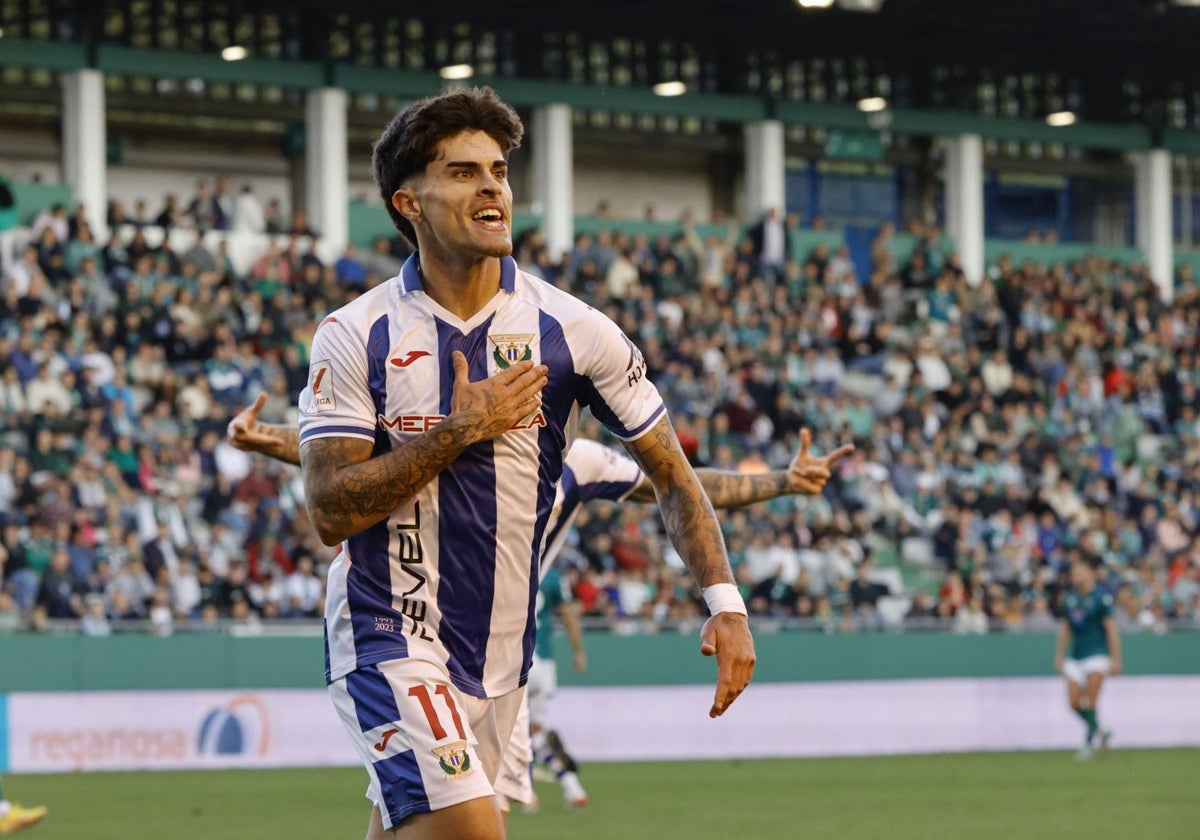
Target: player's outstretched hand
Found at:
246, 433
496, 404
727, 635
807, 474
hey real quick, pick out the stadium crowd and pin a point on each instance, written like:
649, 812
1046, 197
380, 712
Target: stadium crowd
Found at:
1000, 428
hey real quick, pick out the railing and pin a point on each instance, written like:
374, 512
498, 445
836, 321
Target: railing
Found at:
761, 625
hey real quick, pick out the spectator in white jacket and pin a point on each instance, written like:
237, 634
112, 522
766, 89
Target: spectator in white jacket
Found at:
248, 212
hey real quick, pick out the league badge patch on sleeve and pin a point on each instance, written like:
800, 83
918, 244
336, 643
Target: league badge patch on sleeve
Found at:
318, 397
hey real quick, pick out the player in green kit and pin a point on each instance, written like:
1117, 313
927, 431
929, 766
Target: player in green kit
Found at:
1089, 627
554, 599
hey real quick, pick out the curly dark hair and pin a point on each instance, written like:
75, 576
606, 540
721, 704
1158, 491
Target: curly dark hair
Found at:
410, 141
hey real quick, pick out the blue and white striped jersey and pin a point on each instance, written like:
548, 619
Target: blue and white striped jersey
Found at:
452, 575
592, 471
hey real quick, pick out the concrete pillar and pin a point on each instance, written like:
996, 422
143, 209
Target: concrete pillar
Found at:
765, 168
326, 185
964, 202
85, 145
553, 176
1152, 194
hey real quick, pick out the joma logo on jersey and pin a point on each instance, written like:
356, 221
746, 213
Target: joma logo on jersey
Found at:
511, 348
417, 423
412, 356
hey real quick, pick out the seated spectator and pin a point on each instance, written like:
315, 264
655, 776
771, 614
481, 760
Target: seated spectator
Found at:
60, 593
864, 590
299, 225
95, 618
304, 592
171, 215
350, 271
1000, 426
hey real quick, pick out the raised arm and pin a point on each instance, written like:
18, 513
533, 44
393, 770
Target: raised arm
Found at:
733, 232
347, 491
729, 488
247, 432
693, 530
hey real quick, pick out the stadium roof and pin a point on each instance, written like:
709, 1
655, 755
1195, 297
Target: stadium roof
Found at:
1110, 61
1106, 52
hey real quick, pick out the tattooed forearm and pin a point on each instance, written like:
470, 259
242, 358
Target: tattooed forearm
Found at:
287, 442
688, 514
728, 489
347, 491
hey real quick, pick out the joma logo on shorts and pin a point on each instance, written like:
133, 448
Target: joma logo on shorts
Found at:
387, 736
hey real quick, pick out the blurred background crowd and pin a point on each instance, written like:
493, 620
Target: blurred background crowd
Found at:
1000, 429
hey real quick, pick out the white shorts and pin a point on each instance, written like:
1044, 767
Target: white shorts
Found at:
516, 780
1077, 670
426, 744
541, 685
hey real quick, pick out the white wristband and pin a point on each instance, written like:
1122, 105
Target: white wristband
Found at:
724, 597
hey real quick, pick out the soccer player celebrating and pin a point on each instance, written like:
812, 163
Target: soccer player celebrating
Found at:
1088, 626
438, 411
591, 471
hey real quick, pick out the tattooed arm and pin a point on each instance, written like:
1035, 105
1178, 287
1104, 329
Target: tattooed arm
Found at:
347, 491
693, 529
687, 512
246, 432
729, 488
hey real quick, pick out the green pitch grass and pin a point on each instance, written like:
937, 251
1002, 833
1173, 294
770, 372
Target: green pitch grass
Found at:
1138, 794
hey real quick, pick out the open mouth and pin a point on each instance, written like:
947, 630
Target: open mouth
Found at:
490, 219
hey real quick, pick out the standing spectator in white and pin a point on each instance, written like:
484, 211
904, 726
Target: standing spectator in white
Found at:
248, 213
56, 220
770, 241
24, 271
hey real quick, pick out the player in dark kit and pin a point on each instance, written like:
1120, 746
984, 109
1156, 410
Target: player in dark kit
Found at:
1089, 627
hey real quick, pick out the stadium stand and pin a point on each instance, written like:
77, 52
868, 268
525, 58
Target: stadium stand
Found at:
1001, 429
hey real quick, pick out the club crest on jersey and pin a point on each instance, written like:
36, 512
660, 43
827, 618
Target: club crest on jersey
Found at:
454, 759
511, 348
